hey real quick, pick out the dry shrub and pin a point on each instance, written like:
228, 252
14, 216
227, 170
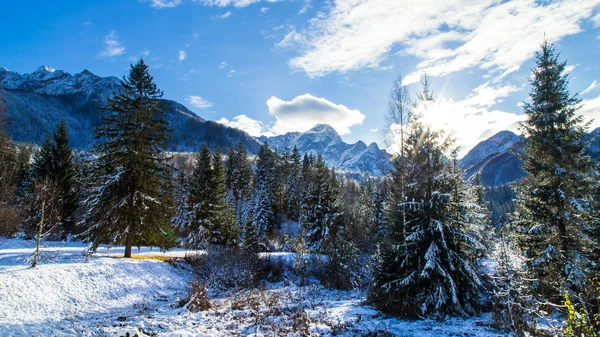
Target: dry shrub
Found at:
198, 297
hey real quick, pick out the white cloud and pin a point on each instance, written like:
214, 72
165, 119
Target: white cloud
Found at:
569, 68
182, 55
198, 102
163, 3
112, 47
235, 3
591, 111
305, 7
471, 119
252, 127
590, 88
264, 9
226, 15
305, 111
291, 39
446, 36
374, 130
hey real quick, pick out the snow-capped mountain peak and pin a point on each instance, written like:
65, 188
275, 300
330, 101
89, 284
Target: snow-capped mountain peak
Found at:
323, 139
499, 142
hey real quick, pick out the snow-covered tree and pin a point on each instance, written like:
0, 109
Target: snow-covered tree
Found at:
554, 199
131, 202
264, 189
223, 229
320, 216
427, 263
293, 188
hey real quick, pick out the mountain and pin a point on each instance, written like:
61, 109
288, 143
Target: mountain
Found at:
499, 142
496, 158
36, 102
323, 139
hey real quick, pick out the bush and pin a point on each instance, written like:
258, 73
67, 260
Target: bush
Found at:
579, 323
226, 269
343, 268
197, 297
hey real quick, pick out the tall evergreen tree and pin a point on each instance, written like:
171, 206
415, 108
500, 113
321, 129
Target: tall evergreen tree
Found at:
293, 188
426, 264
195, 233
264, 188
222, 220
65, 177
55, 162
320, 217
132, 201
554, 199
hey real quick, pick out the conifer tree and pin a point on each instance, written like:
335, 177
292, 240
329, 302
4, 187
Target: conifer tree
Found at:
320, 217
222, 221
293, 190
264, 189
65, 177
426, 264
132, 201
554, 199
195, 233
55, 162
239, 173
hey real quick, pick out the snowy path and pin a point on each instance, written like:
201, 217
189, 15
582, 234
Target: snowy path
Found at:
106, 296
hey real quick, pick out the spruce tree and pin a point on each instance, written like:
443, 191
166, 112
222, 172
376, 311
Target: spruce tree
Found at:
195, 233
426, 266
265, 188
222, 221
65, 177
54, 161
320, 218
554, 199
132, 201
239, 173
293, 188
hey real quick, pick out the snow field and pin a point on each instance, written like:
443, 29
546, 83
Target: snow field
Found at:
68, 295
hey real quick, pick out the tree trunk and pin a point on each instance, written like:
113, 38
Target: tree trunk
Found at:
128, 246
39, 235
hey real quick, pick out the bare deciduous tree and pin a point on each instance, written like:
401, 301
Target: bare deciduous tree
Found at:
45, 206
397, 116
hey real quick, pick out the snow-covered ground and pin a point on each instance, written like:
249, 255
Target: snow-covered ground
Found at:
69, 295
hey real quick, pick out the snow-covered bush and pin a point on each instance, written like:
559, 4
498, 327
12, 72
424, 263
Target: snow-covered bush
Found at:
197, 297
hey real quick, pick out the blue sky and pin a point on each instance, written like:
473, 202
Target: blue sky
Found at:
270, 67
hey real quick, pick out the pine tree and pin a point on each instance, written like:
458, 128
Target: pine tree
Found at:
293, 189
222, 221
239, 173
195, 233
65, 177
44, 163
320, 218
55, 162
262, 213
554, 199
426, 264
264, 189
132, 201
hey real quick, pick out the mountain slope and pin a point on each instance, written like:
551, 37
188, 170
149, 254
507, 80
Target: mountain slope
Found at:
36, 102
502, 164
325, 140
499, 142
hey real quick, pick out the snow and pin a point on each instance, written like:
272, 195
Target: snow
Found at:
108, 296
